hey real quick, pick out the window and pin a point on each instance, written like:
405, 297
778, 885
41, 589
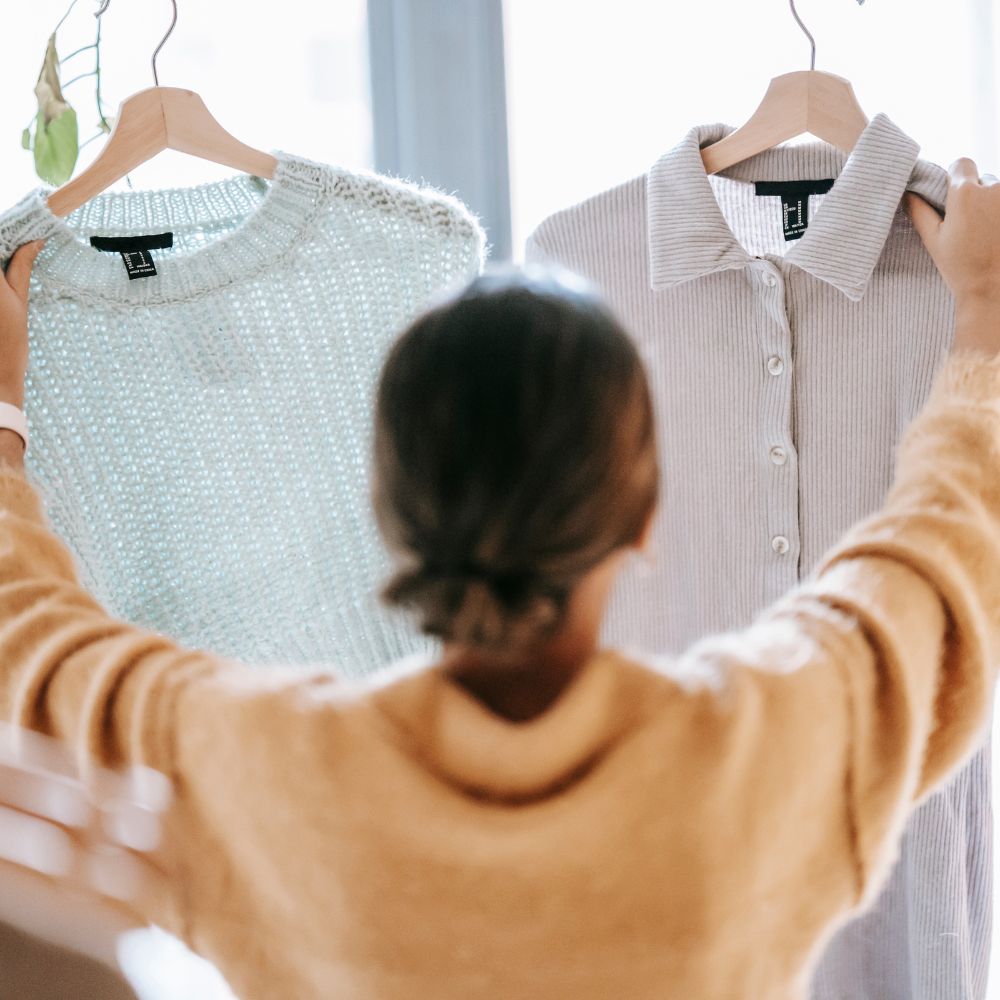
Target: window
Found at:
296, 82
598, 91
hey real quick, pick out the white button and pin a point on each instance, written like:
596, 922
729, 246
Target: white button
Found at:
780, 544
778, 455
770, 281
775, 365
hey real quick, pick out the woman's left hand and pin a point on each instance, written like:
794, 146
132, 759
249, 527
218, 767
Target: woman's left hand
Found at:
14, 322
81, 859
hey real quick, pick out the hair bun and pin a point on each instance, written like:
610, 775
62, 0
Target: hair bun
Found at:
472, 604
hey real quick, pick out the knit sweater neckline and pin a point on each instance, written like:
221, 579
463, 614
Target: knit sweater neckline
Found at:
270, 216
472, 747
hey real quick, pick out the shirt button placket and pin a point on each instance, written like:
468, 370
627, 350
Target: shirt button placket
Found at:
775, 433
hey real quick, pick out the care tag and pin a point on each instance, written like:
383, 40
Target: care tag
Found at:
134, 251
794, 197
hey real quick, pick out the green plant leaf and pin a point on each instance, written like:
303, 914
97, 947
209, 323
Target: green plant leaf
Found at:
26, 139
57, 136
57, 145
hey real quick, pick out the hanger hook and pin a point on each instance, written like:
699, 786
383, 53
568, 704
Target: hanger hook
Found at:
163, 41
808, 34
156, 51
812, 41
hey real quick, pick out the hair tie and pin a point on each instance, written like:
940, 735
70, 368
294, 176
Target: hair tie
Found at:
467, 569
470, 570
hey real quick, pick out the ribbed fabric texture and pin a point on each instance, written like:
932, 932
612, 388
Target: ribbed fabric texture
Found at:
203, 434
691, 829
784, 374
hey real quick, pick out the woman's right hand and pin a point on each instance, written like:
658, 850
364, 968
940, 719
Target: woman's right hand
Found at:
965, 247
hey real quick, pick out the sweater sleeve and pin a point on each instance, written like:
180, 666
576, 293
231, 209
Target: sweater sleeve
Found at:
118, 694
850, 699
929, 608
67, 667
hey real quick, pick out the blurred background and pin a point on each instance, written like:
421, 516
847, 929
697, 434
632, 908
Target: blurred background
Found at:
519, 107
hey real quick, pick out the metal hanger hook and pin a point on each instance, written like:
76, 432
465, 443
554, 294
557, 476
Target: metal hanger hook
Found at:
808, 34
163, 40
795, 14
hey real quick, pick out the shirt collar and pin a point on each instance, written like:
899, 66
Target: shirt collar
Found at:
689, 236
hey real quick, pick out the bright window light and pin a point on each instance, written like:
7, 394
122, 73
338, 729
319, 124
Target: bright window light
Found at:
599, 91
295, 80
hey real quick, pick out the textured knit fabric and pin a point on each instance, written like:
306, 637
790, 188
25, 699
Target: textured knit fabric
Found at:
783, 375
203, 434
672, 830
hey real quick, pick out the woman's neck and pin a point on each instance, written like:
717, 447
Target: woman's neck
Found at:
517, 697
521, 685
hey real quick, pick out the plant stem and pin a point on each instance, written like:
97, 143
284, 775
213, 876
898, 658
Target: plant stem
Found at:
96, 135
89, 72
63, 18
76, 53
102, 121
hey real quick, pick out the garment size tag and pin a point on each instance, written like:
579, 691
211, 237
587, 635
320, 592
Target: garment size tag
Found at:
134, 250
138, 263
794, 197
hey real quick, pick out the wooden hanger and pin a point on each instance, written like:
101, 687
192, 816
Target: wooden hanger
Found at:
795, 103
150, 121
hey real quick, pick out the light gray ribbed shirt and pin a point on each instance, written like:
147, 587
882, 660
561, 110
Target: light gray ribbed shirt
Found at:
784, 374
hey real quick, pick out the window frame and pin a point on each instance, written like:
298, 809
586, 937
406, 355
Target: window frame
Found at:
439, 103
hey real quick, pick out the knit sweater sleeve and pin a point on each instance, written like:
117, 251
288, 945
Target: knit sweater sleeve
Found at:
853, 697
118, 694
921, 580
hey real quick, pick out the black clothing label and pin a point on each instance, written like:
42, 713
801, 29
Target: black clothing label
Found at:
134, 251
155, 241
794, 197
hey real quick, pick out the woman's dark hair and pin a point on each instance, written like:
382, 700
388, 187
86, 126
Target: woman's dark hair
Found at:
514, 450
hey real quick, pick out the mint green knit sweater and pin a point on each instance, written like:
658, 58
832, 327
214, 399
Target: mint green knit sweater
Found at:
201, 435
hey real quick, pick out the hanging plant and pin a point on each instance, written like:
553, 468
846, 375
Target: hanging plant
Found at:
55, 140
56, 144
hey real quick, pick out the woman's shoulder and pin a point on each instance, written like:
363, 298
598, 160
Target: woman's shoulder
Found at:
672, 674
628, 664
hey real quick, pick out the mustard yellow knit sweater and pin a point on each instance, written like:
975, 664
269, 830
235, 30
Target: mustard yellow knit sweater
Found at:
691, 829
